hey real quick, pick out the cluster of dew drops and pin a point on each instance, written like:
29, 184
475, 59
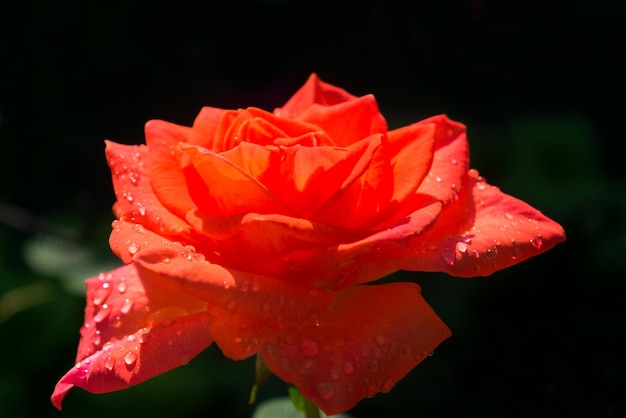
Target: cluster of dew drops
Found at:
463, 246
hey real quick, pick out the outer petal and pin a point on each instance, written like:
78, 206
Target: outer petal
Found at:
137, 325
366, 341
314, 91
484, 231
166, 166
136, 200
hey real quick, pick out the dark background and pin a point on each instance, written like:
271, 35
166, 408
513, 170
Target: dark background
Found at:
539, 84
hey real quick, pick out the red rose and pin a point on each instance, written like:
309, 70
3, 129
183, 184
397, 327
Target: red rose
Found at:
259, 230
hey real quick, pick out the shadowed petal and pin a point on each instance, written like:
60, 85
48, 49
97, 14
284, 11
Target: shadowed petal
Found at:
366, 341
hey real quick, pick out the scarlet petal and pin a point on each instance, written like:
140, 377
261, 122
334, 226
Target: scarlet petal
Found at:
233, 189
123, 343
166, 167
483, 232
314, 91
136, 200
205, 126
347, 122
366, 341
450, 161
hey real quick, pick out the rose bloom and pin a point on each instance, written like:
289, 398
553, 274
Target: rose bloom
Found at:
262, 232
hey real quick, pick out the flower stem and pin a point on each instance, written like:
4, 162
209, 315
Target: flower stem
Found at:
310, 409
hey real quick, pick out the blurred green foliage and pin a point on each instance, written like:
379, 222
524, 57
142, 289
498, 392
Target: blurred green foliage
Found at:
537, 84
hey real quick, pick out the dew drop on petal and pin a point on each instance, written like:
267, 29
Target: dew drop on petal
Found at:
144, 338
348, 367
387, 385
537, 242
126, 306
380, 340
461, 247
309, 348
121, 287
334, 374
102, 313
448, 257
325, 390
372, 365
130, 358
133, 247
109, 363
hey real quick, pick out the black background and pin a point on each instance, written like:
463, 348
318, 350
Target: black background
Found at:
539, 84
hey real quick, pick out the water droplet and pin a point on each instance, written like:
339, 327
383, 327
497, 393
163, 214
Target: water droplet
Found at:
508, 216
237, 340
454, 161
309, 348
334, 374
184, 359
133, 248
109, 363
537, 242
461, 247
102, 313
165, 260
348, 367
438, 179
254, 287
126, 306
130, 358
387, 385
101, 294
121, 287
377, 352
380, 340
325, 390
372, 365
167, 322
145, 337
448, 257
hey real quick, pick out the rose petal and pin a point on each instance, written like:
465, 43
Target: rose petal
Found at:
396, 171
347, 122
232, 189
314, 91
205, 126
215, 284
136, 200
364, 343
137, 325
481, 233
450, 161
